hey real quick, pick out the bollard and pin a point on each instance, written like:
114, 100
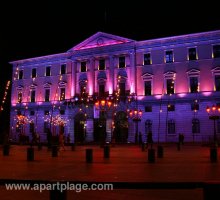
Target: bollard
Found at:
73, 147
211, 191
151, 155
30, 154
159, 151
58, 195
6, 148
89, 155
106, 151
143, 146
54, 151
213, 154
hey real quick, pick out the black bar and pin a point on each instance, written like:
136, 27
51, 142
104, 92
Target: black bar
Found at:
106, 151
89, 155
6, 149
30, 154
151, 155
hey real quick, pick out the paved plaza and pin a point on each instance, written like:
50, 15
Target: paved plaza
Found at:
127, 163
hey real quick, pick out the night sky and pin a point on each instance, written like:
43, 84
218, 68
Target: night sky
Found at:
35, 28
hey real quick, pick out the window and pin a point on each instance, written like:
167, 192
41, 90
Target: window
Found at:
46, 112
19, 97
62, 112
216, 51
62, 94
122, 89
47, 95
33, 92
32, 112
83, 67
169, 56
63, 69
192, 54
147, 88
122, 62
148, 126
193, 84
217, 82
170, 107
148, 108
171, 128
48, 73
147, 59
20, 74
102, 64
34, 73
101, 90
195, 126
32, 127
170, 86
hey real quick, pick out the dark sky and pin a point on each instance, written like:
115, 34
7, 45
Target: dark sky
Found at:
34, 28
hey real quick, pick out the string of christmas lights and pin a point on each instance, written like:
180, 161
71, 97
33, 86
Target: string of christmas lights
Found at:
5, 95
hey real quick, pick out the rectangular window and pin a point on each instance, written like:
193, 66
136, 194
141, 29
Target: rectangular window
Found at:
32, 112
169, 56
122, 62
194, 84
20, 74
62, 94
101, 90
62, 112
63, 69
47, 95
122, 89
19, 97
33, 92
170, 86
147, 88
192, 54
48, 72
216, 51
147, 59
46, 112
102, 64
148, 108
34, 73
83, 67
217, 82
170, 107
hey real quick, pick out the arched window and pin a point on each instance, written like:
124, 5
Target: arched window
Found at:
195, 126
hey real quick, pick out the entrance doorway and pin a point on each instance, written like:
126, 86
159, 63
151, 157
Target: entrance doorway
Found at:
79, 128
121, 127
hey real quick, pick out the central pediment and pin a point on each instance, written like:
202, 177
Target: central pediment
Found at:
100, 39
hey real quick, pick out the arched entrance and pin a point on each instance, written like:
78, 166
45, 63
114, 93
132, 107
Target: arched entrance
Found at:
79, 128
121, 127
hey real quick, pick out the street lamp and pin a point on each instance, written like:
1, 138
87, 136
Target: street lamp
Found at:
136, 115
214, 113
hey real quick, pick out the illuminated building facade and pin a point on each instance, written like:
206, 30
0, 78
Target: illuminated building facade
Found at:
92, 91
